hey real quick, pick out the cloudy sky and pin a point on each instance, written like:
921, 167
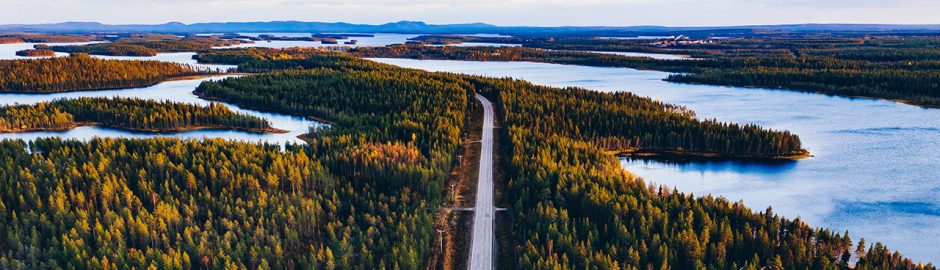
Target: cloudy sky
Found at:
501, 12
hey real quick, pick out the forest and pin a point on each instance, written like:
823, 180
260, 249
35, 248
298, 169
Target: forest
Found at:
575, 207
35, 53
901, 68
76, 73
44, 38
245, 55
623, 123
126, 114
360, 194
601, 117
363, 192
149, 45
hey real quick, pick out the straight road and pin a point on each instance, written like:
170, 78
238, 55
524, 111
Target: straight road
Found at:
481, 245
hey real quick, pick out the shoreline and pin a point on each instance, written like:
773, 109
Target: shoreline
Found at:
169, 79
661, 154
248, 106
269, 130
908, 101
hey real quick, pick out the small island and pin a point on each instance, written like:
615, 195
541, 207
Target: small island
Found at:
127, 114
150, 45
80, 72
35, 53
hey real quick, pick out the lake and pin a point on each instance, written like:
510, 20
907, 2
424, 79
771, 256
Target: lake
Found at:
178, 91
185, 58
8, 51
660, 56
377, 40
875, 171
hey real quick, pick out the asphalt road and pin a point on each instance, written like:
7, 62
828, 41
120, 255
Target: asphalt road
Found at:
481, 247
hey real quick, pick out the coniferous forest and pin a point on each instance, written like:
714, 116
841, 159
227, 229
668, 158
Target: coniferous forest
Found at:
573, 205
44, 38
127, 114
35, 53
363, 192
148, 45
76, 73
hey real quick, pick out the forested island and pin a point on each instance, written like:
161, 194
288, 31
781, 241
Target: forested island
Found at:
898, 68
126, 114
77, 73
149, 45
251, 55
45, 38
36, 53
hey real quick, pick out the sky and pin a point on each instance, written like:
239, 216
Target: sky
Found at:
500, 12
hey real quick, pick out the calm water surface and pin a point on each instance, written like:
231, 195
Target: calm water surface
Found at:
660, 56
8, 51
377, 40
177, 91
185, 58
875, 171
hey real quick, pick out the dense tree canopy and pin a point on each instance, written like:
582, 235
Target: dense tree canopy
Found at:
77, 73
361, 194
364, 191
149, 45
44, 38
124, 113
35, 53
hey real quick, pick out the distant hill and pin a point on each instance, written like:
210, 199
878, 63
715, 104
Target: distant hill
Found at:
418, 27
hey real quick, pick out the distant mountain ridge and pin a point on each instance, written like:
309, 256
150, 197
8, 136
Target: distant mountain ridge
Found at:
419, 27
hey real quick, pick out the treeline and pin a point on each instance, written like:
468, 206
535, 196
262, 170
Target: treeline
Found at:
43, 38
36, 53
245, 55
127, 114
486, 53
149, 45
77, 73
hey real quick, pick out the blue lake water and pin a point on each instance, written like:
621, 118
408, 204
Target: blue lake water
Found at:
185, 58
377, 40
875, 171
8, 51
177, 91
660, 56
